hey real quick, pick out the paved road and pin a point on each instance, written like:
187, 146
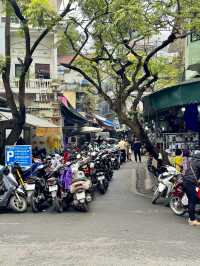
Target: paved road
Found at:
122, 228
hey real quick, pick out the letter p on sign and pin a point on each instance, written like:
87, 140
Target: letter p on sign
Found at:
10, 154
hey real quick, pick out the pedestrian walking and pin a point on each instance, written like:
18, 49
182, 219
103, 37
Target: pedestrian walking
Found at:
137, 150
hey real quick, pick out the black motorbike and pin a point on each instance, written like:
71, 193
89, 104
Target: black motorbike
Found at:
46, 192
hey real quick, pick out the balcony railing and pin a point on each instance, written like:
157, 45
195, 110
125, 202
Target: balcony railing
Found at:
32, 86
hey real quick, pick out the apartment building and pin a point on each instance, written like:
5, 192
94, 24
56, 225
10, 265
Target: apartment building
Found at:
192, 56
73, 84
41, 86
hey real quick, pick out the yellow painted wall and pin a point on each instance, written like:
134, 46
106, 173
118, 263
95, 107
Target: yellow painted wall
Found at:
71, 97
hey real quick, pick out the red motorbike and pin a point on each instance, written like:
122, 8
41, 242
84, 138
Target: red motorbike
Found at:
179, 201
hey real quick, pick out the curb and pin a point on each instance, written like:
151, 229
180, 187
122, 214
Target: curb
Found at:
144, 182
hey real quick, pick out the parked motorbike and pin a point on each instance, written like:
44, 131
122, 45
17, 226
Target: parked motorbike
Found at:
117, 158
47, 193
11, 195
106, 160
80, 189
179, 200
165, 184
99, 176
25, 178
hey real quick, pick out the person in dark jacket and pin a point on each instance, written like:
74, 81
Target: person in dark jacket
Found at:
136, 147
190, 182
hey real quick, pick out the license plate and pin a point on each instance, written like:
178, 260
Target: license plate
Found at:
80, 195
100, 178
29, 187
53, 188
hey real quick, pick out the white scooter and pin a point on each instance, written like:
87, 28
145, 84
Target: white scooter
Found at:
165, 183
11, 195
80, 189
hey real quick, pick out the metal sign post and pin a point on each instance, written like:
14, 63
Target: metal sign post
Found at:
21, 154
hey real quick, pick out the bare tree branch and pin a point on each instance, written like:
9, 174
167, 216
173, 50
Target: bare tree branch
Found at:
46, 31
91, 80
142, 90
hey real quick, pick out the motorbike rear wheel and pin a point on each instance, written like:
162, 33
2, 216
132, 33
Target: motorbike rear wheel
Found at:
34, 205
85, 207
102, 189
177, 206
58, 204
18, 204
118, 166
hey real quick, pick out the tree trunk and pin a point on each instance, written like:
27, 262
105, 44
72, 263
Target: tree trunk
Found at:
138, 131
18, 117
14, 134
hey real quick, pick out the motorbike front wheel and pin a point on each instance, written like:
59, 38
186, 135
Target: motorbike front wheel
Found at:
18, 204
177, 206
156, 196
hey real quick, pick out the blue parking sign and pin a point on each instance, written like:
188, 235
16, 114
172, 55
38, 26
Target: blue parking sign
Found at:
21, 154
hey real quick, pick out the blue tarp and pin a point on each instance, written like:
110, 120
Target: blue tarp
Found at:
105, 121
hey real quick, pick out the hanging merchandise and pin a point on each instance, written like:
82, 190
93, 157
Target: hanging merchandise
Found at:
191, 117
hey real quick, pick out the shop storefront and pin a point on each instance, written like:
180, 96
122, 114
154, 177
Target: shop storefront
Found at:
172, 116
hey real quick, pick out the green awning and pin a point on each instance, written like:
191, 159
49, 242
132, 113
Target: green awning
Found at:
179, 95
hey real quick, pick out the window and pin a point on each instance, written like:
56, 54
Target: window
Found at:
194, 36
42, 71
18, 70
37, 97
13, 20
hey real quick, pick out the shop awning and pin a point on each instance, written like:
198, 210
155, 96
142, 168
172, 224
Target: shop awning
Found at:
179, 95
71, 116
104, 121
31, 120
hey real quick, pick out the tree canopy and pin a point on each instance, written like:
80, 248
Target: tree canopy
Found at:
117, 43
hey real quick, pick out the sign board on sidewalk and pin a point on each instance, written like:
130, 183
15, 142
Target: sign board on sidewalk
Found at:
21, 154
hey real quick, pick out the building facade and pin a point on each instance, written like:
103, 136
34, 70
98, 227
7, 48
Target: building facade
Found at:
192, 56
41, 85
73, 85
